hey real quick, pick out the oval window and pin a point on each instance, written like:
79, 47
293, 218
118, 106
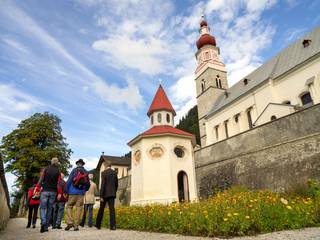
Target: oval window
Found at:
159, 117
179, 152
168, 118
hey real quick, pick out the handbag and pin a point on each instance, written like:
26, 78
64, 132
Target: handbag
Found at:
36, 195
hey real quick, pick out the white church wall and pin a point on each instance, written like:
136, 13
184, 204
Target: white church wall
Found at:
154, 179
163, 118
274, 110
288, 88
136, 171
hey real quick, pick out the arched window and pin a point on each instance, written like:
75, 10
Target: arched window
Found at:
306, 99
159, 118
273, 117
203, 85
218, 82
151, 119
168, 118
249, 118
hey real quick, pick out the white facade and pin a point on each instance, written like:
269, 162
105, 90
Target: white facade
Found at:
288, 82
154, 176
162, 160
283, 90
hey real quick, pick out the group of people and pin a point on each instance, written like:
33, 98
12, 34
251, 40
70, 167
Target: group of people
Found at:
53, 195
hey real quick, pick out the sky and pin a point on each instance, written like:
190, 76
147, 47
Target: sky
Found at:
97, 63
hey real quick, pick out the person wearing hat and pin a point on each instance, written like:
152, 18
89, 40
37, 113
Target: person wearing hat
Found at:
77, 185
49, 184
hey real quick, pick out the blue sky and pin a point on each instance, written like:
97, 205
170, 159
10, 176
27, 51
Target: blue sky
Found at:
97, 63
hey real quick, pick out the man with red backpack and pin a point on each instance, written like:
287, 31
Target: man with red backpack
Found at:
77, 185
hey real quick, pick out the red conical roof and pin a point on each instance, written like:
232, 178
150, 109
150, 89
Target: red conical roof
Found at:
161, 102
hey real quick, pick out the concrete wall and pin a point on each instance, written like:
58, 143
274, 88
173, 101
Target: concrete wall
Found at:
278, 155
4, 201
124, 191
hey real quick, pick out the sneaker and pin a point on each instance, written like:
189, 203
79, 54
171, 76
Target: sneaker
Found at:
68, 227
76, 228
113, 228
33, 226
42, 230
54, 227
59, 227
97, 227
82, 225
28, 226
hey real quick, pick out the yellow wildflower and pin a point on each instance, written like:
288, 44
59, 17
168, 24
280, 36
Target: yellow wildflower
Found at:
289, 207
225, 219
284, 201
229, 215
247, 217
236, 214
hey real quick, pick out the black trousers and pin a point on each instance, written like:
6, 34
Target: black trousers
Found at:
112, 213
32, 215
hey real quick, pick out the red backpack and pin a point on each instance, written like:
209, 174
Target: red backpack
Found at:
80, 179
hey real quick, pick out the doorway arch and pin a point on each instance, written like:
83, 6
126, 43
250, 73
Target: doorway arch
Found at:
183, 187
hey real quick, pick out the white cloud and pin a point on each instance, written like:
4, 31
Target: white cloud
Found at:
31, 27
141, 54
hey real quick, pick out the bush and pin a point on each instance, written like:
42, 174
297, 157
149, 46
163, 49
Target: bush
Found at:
230, 213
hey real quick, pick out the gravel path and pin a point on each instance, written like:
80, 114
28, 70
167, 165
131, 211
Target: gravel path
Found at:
16, 230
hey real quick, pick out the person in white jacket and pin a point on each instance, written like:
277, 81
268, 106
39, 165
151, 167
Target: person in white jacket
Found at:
89, 202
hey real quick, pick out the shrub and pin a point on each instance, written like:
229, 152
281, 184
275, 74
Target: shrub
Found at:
230, 213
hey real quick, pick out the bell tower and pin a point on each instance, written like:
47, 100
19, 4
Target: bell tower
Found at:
210, 75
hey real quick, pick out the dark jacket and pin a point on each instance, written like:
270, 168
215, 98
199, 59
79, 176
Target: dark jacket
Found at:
50, 178
109, 183
70, 189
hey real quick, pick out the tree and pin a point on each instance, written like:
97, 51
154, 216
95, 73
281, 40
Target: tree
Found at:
190, 123
30, 147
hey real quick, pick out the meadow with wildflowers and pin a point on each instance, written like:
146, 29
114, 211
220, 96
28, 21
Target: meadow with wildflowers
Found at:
229, 213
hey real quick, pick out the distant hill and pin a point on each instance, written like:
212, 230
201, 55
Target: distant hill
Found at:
190, 123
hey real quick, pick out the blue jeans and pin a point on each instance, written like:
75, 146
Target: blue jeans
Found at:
86, 208
58, 211
46, 203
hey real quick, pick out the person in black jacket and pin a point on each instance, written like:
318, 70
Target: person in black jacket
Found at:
108, 192
50, 185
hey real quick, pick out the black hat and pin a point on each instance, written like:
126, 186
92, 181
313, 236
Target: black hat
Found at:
80, 161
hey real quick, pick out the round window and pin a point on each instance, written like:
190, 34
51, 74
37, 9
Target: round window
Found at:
179, 152
159, 117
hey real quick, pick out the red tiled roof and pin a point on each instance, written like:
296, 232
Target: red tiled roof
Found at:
160, 102
165, 129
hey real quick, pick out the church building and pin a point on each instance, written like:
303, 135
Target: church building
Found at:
162, 162
288, 82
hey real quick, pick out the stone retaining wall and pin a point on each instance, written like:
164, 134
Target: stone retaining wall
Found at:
280, 155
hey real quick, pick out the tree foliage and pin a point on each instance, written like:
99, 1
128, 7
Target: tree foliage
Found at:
30, 147
190, 123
